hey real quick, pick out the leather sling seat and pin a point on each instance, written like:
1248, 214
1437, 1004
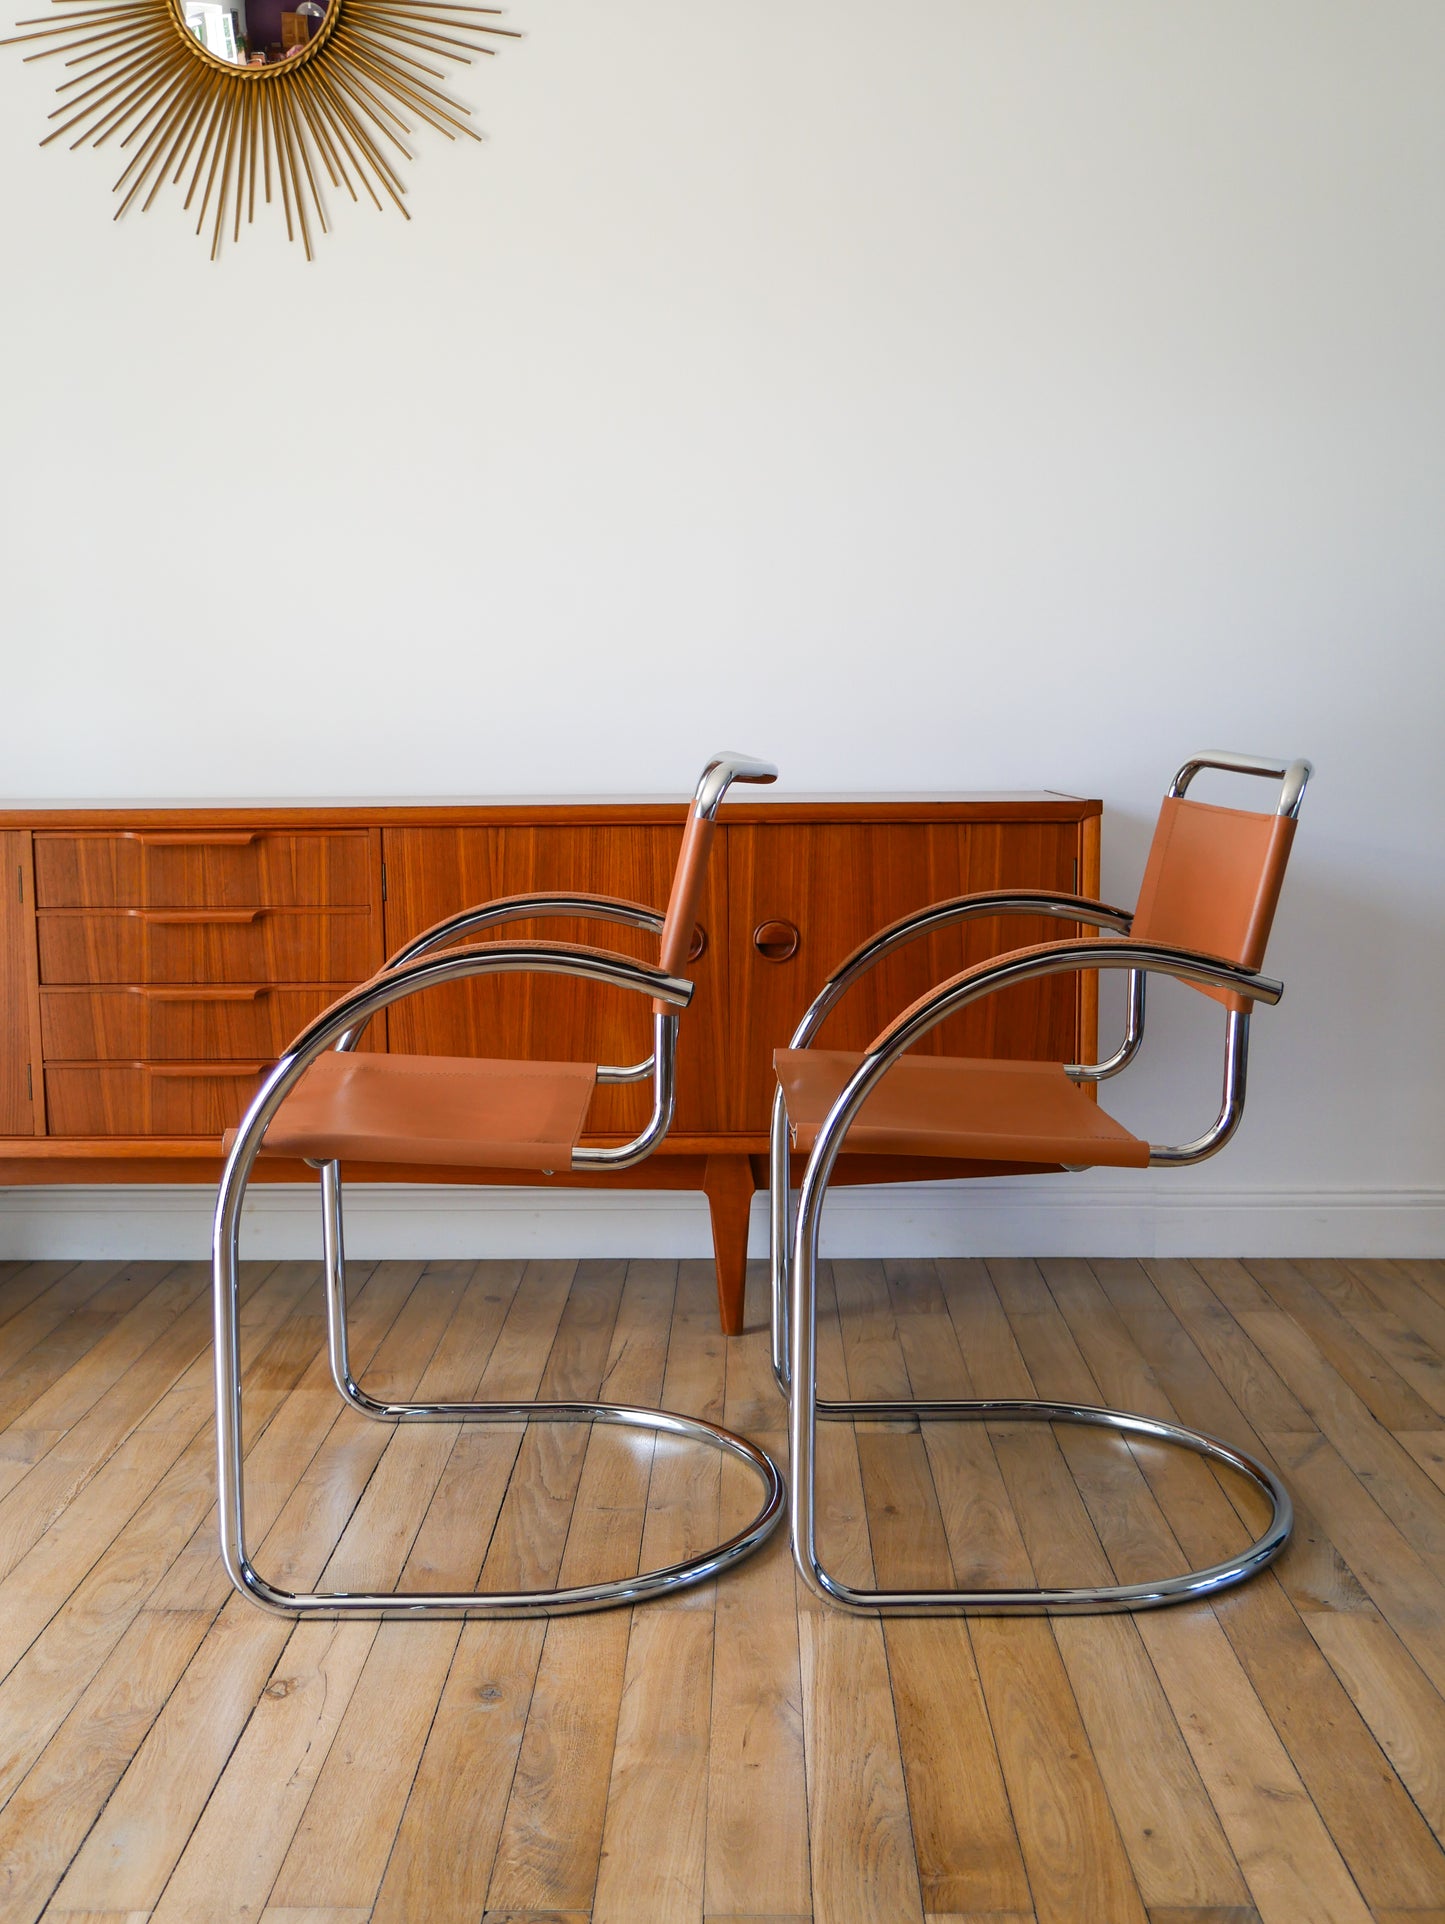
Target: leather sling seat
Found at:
958, 1106
453, 1111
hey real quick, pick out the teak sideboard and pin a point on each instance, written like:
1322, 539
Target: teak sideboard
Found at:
153, 961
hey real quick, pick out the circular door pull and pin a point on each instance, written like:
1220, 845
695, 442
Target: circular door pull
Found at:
776, 941
698, 944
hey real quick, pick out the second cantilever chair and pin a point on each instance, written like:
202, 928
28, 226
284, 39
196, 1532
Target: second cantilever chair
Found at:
323, 1102
1205, 908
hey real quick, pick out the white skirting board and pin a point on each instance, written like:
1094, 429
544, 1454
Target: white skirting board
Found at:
1027, 1216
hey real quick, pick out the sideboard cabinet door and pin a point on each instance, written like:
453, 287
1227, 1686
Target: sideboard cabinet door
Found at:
835, 885
433, 872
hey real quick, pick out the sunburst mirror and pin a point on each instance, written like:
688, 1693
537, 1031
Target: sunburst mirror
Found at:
235, 100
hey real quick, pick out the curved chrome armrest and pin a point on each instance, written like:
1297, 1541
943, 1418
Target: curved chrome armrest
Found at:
401, 979
1062, 958
942, 915
524, 908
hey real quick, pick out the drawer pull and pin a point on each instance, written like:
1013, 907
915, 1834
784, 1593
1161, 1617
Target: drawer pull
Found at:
776, 941
698, 945
165, 918
163, 838
194, 995
180, 1071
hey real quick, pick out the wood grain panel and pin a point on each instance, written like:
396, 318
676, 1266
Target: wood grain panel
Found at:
167, 1753
184, 867
200, 946
149, 1098
19, 1057
432, 873
209, 1023
838, 884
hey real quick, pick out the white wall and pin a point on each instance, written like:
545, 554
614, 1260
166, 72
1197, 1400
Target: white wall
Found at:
941, 394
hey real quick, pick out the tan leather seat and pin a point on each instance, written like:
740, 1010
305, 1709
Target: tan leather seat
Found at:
958, 1106
448, 1110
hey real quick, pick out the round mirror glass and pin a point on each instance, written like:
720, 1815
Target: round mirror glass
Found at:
255, 33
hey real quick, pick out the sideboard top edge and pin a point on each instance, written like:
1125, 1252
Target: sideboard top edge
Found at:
1034, 805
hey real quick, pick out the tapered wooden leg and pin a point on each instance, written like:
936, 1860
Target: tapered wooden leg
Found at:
728, 1181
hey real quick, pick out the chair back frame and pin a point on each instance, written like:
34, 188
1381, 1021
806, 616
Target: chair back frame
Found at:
1293, 777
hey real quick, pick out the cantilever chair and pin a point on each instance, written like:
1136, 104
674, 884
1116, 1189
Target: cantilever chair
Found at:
324, 1101
1205, 907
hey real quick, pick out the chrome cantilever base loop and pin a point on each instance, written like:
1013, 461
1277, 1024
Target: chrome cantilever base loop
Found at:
794, 1334
604, 1594
1083, 1600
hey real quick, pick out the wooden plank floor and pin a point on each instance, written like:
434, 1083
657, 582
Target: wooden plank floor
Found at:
168, 1753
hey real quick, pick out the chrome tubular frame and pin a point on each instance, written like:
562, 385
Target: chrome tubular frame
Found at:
720, 774
1134, 983
943, 915
928, 921
1231, 1108
632, 1072
664, 1059
1292, 776
531, 908
347, 1017
797, 1322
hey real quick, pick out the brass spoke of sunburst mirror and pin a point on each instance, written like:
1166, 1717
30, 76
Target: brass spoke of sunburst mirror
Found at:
190, 100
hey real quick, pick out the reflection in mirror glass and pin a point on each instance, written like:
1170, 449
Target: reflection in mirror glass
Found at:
255, 33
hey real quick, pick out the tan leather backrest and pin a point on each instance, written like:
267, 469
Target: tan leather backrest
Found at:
1212, 883
686, 897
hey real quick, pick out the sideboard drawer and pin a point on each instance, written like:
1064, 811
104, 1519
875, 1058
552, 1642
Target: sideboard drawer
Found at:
200, 946
226, 868
158, 1024
149, 1098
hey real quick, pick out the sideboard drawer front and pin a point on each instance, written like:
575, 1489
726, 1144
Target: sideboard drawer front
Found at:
199, 946
223, 868
213, 1024
832, 886
148, 1098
